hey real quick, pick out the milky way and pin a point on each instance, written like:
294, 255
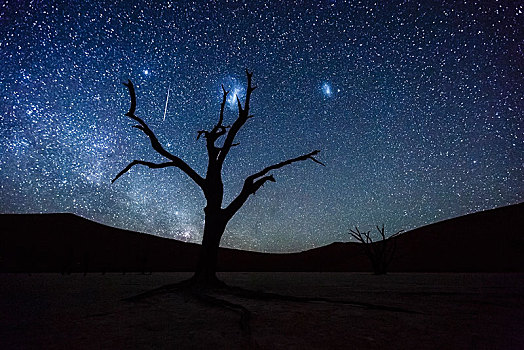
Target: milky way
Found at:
415, 106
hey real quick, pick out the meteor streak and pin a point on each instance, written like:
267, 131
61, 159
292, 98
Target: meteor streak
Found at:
167, 100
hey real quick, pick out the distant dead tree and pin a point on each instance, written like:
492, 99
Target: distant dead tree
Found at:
217, 216
380, 252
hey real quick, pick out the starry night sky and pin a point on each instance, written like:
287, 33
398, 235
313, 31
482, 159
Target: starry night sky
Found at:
416, 108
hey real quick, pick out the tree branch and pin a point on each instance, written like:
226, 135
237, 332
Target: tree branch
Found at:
218, 130
175, 161
141, 162
359, 236
253, 182
380, 252
287, 162
243, 116
260, 182
222, 107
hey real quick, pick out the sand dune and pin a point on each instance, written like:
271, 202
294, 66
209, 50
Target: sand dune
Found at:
489, 241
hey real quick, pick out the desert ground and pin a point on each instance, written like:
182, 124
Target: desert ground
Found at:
396, 311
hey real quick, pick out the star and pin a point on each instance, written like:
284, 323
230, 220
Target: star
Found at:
409, 104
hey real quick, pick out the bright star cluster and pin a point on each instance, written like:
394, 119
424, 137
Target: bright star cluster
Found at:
416, 106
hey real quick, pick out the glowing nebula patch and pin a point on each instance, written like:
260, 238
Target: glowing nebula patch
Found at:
327, 90
235, 89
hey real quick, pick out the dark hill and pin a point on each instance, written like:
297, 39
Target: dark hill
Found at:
489, 241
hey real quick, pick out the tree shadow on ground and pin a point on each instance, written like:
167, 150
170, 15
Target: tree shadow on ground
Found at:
215, 296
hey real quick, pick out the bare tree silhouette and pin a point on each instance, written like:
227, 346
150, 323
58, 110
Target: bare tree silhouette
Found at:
380, 252
217, 216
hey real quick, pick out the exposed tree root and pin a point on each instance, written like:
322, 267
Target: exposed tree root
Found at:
246, 293
206, 293
189, 285
201, 292
245, 314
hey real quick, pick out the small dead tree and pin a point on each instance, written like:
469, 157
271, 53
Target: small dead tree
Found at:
380, 252
217, 216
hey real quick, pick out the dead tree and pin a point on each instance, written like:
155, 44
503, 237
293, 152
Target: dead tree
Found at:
219, 141
380, 252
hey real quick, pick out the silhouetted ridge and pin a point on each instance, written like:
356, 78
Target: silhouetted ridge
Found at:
69, 243
488, 241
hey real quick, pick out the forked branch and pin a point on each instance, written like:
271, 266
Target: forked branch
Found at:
174, 160
218, 130
380, 252
243, 116
253, 182
287, 162
362, 237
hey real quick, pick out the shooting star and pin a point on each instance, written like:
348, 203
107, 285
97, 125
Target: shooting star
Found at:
167, 100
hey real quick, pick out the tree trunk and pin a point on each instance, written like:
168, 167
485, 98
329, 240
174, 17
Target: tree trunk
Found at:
212, 186
205, 273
